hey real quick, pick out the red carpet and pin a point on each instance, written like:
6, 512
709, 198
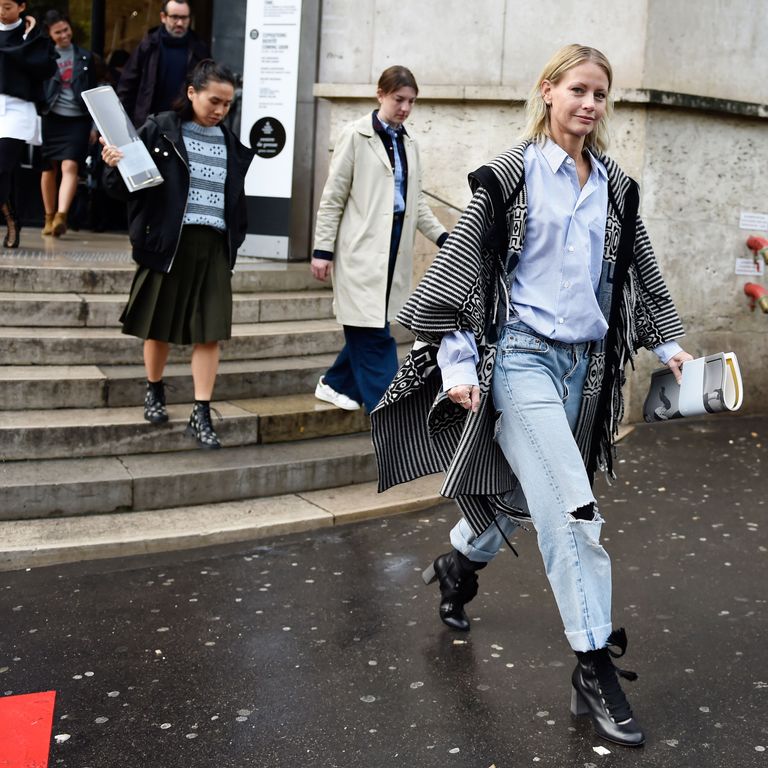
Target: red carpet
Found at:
25, 730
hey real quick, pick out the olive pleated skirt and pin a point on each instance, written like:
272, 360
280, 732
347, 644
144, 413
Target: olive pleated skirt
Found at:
191, 304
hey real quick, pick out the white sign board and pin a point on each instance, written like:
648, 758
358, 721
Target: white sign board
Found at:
268, 121
750, 267
754, 221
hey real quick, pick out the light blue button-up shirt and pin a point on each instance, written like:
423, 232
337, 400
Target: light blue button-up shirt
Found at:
554, 290
396, 137
555, 284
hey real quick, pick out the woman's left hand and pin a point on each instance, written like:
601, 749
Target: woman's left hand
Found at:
29, 24
675, 364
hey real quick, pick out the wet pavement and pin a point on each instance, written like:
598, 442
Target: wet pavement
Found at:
325, 649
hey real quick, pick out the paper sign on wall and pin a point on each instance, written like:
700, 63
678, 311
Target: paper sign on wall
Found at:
757, 222
750, 267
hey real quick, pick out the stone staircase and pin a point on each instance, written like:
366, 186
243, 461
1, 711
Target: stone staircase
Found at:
77, 453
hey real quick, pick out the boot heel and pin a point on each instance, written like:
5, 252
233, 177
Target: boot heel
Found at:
578, 704
428, 575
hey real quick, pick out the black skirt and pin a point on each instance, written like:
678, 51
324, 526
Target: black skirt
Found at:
191, 304
65, 138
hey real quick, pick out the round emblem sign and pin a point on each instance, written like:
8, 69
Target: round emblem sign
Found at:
267, 137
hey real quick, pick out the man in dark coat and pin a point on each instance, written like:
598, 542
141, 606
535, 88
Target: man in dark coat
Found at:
156, 72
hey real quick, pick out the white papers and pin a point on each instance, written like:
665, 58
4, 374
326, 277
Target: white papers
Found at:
135, 158
137, 167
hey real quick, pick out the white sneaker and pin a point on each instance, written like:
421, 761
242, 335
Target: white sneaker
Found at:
328, 395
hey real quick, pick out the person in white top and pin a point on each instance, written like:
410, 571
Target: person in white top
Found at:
26, 60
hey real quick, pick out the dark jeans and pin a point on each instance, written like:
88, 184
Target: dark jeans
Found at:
365, 366
368, 362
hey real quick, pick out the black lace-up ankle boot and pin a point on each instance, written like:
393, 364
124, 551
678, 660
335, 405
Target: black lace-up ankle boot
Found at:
200, 426
154, 403
458, 585
597, 693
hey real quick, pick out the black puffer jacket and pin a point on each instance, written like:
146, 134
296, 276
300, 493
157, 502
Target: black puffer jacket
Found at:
155, 215
84, 76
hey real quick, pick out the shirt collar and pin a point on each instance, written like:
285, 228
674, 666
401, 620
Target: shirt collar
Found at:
9, 27
555, 156
381, 127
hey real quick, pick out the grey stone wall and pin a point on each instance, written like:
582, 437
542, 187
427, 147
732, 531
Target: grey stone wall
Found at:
690, 125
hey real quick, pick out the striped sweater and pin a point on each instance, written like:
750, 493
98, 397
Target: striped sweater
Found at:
417, 430
207, 154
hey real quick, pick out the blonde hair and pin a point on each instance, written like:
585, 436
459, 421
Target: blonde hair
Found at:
537, 115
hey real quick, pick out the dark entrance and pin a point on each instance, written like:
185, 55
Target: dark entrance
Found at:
112, 29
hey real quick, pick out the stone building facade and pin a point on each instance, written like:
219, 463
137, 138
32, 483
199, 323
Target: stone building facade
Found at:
690, 124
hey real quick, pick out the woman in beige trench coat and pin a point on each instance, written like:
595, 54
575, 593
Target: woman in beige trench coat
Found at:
369, 212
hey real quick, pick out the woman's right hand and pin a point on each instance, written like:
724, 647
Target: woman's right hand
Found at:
321, 269
110, 154
465, 395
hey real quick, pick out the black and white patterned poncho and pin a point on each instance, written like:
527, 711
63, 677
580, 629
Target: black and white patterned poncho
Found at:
417, 430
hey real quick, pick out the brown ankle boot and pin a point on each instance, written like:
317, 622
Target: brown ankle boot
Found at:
59, 226
48, 227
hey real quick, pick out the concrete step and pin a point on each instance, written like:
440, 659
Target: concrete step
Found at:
108, 346
112, 278
90, 386
73, 310
35, 543
65, 487
75, 432
94, 346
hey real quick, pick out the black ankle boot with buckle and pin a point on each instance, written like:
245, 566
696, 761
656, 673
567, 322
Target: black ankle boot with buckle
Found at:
458, 585
201, 427
154, 403
597, 693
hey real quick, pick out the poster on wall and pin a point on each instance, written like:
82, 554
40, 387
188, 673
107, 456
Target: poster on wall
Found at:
268, 122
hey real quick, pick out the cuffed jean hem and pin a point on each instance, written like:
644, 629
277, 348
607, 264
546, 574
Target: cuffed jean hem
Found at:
482, 548
589, 639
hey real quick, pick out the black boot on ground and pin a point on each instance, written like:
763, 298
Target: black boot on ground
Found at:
597, 693
154, 403
458, 585
200, 426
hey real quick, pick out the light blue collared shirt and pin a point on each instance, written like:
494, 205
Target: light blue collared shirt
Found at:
554, 290
555, 286
396, 136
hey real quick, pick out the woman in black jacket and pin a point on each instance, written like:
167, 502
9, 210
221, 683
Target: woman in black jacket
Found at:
185, 234
26, 60
67, 127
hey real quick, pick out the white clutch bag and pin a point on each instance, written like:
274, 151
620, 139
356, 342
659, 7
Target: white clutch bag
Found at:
711, 384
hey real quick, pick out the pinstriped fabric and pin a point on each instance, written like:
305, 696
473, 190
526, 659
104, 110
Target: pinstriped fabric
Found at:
417, 430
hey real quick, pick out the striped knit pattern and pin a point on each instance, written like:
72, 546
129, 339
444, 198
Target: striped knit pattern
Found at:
417, 430
207, 153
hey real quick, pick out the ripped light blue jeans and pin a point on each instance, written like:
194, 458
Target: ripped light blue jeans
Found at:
537, 386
